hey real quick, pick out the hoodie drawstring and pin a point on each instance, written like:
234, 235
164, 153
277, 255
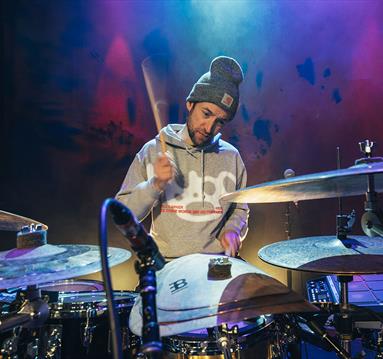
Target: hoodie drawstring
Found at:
203, 177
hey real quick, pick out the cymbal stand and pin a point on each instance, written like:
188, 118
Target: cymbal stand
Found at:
372, 219
288, 173
344, 318
344, 325
288, 237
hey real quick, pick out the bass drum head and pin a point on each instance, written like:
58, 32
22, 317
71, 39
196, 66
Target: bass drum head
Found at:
252, 339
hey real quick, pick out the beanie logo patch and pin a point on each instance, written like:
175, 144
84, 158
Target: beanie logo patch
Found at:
227, 100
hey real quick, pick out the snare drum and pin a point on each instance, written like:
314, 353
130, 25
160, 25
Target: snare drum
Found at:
72, 285
249, 339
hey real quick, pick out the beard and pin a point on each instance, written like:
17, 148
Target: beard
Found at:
196, 135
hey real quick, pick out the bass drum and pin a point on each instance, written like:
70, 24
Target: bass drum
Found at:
253, 339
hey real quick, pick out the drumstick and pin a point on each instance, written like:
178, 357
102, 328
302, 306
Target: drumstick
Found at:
154, 106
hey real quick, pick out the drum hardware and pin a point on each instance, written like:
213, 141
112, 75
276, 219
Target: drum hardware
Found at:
371, 220
325, 337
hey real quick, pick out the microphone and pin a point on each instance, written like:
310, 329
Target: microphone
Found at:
289, 173
134, 231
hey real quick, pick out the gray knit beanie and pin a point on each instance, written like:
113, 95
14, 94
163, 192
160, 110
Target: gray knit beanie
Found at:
219, 85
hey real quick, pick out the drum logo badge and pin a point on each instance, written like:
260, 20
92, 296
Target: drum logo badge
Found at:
178, 285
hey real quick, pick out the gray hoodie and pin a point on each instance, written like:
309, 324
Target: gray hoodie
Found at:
187, 217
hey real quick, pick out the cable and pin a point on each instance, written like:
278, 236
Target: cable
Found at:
112, 312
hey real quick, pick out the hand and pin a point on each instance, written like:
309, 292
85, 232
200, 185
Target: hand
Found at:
164, 171
231, 242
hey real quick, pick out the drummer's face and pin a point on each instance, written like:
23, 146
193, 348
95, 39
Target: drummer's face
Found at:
205, 120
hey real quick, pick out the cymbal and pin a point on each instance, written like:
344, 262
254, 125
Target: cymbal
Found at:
47, 263
14, 222
350, 181
327, 254
188, 300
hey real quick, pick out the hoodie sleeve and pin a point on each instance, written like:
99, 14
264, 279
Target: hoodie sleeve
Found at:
238, 214
137, 191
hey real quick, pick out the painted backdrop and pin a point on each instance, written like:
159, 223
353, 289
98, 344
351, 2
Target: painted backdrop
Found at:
75, 109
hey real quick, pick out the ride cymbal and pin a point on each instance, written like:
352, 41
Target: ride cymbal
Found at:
327, 254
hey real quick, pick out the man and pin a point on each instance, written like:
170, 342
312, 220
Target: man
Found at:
181, 189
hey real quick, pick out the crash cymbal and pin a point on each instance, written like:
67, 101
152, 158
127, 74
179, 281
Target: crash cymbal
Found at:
47, 263
188, 298
327, 254
338, 183
14, 222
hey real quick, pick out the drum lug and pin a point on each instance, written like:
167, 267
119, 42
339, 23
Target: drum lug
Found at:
10, 346
54, 342
204, 346
33, 348
379, 346
88, 329
88, 335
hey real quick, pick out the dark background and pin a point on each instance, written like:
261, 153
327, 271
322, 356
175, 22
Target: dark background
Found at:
75, 109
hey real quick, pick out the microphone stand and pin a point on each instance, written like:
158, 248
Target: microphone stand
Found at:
151, 341
150, 260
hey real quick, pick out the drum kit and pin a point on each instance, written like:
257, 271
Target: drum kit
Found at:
208, 306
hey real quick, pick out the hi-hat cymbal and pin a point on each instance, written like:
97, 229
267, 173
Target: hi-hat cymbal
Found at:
47, 263
188, 300
327, 254
14, 222
350, 181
